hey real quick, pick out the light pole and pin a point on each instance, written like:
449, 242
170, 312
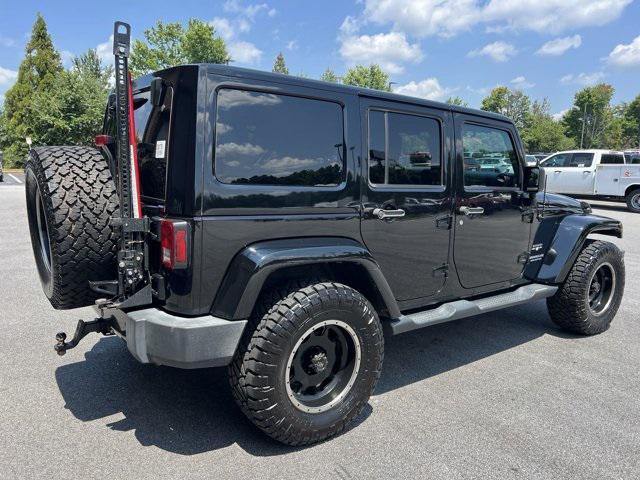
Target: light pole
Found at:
584, 117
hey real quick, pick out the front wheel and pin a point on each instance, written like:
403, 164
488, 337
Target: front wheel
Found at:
590, 296
309, 363
633, 200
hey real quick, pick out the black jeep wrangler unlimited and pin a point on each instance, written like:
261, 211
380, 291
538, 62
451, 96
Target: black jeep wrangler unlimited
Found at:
284, 222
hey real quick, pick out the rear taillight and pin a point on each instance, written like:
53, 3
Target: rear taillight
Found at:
103, 140
174, 243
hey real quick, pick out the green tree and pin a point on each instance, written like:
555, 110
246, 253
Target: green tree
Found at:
542, 133
329, 76
369, 77
457, 101
170, 44
632, 116
71, 112
36, 75
512, 103
279, 66
587, 122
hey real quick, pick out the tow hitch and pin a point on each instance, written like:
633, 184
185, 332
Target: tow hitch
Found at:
99, 325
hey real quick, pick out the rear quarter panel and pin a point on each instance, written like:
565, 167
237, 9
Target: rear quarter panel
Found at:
234, 216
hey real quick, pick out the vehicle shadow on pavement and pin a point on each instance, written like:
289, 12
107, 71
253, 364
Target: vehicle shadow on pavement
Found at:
192, 411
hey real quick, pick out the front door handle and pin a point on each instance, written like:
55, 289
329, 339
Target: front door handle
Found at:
468, 211
381, 213
557, 171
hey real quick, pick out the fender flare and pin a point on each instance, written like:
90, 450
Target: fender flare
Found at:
252, 266
559, 241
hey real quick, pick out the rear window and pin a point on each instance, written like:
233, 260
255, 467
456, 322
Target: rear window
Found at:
270, 139
152, 135
611, 159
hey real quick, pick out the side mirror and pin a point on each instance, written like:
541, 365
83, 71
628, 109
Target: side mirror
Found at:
157, 92
533, 179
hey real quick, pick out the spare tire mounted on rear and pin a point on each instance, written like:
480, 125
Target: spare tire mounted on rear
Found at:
71, 198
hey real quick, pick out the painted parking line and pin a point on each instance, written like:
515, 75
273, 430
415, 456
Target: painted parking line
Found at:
15, 178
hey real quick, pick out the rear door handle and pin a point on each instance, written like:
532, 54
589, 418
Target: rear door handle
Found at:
558, 171
468, 211
381, 213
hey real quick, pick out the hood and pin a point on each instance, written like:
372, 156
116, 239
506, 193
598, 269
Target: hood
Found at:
555, 204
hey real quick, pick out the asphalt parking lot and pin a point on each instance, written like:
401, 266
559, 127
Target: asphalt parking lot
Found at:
11, 178
503, 395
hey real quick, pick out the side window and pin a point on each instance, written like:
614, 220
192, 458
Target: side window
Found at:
268, 139
490, 159
404, 149
559, 160
581, 160
611, 159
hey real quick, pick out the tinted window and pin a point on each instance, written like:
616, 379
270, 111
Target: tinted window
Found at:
559, 160
412, 155
581, 159
268, 139
377, 147
611, 158
496, 162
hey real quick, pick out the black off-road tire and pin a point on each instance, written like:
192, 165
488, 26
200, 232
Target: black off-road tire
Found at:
569, 308
633, 200
259, 369
73, 193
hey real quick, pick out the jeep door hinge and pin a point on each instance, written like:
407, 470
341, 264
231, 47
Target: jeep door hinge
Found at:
441, 271
444, 222
523, 258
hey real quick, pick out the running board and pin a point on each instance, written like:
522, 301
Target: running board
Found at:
468, 308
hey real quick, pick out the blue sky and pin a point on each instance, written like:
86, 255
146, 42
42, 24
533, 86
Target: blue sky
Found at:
432, 48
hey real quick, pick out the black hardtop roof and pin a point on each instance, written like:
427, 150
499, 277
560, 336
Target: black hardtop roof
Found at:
249, 73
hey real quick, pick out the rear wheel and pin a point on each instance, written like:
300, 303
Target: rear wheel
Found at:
71, 198
633, 200
309, 362
590, 296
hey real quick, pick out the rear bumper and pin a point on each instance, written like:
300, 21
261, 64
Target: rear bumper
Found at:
155, 336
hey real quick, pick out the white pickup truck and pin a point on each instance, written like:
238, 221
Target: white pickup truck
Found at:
594, 174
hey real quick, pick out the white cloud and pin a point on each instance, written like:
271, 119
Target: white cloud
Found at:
558, 116
105, 51
424, 17
389, 50
222, 27
448, 17
244, 52
233, 148
7, 77
626, 55
292, 45
249, 11
558, 46
521, 83
428, 88
67, 58
350, 26
584, 79
241, 51
498, 51
272, 12
287, 165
